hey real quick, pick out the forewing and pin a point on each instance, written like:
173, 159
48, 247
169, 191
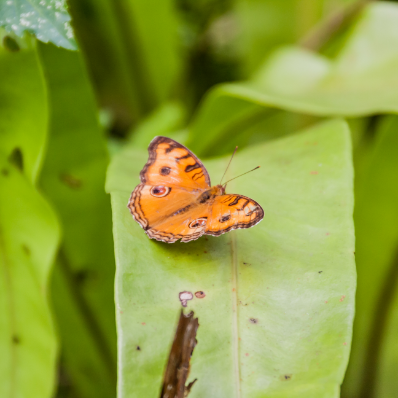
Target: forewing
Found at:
233, 211
170, 163
168, 218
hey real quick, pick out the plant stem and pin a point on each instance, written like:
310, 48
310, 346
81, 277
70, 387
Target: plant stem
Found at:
330, 26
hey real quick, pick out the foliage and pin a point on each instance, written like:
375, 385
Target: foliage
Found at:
247, 318
213, 74
29, 233
48, 20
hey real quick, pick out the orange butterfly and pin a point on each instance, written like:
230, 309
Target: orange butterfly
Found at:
175, 199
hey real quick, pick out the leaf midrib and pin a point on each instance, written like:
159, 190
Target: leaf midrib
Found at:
235, 324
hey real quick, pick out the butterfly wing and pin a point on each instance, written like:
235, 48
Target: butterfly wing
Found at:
182, 217
169, 217
170, 163
233, 211
171, 181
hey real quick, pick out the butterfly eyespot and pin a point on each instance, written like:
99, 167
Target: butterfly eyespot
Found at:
164, 171
198, 223
160, 191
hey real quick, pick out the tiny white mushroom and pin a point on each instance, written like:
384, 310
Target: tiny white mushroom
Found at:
184, 297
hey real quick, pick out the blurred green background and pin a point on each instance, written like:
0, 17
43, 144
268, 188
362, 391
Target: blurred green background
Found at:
213, 74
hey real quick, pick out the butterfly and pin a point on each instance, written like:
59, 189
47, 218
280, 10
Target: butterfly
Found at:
175, 199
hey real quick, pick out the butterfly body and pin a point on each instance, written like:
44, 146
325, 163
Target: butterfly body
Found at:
175, 199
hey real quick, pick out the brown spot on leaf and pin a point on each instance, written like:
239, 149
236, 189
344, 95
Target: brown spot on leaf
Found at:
26, 249
16, 158
253, 320
138, 348
81, 276
200, 294
286, 377
71, 181
342, 298
16, 339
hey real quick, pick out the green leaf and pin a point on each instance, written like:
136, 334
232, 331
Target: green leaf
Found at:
23, 108
29, 236
132, 53
360, 81
73, 178
279, 306
48, 20
376, 215
266, 24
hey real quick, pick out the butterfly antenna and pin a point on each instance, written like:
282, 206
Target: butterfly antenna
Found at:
225, 183
230, 160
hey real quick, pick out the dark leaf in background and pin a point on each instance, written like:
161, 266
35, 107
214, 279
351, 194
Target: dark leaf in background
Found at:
73, 179
132, 53
376, 220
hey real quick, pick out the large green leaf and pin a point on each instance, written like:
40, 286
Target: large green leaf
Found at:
73, 178
48, 20
277, 317
29, 236
23, 105
362, 80
376, 222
